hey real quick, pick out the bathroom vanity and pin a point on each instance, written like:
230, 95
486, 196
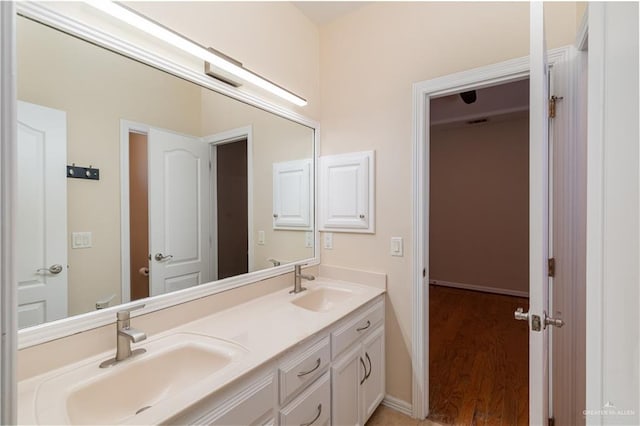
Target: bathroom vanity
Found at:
316, 357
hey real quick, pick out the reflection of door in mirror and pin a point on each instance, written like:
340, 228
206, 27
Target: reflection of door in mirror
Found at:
178, 198
41, 232
168, 211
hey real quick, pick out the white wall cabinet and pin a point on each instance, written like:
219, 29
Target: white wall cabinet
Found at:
335, 377
292, 195
347, 192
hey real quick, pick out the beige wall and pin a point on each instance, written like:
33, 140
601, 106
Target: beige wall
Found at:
95, 98
369, 59
479, 203
275, 139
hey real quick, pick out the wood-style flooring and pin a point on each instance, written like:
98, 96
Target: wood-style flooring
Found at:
478, 358
385, 416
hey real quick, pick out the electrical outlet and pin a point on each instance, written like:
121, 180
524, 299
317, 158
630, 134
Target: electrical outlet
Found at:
308, 239
328, 240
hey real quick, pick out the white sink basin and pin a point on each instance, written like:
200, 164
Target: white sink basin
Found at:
322, 299
114, 395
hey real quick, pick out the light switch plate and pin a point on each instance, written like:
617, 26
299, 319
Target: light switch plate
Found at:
308, 239
397, 247
81, 240
261, 238
328, 240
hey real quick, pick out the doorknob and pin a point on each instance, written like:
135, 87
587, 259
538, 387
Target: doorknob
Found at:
53, 269
521, 315
161, 257
556, 322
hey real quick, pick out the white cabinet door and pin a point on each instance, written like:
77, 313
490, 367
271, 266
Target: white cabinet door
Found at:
347, 192
347, 373
373, 387
179, 200
41, 215
292, 195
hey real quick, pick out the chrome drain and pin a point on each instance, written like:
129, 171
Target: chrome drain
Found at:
143, 409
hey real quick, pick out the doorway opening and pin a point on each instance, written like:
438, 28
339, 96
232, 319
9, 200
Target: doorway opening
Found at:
230, 205
479, 255
138, 215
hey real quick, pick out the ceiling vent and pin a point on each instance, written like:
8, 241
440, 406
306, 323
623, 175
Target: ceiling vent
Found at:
478, 121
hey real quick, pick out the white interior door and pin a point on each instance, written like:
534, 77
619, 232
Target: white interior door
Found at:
538, 221
41, 219
179, 207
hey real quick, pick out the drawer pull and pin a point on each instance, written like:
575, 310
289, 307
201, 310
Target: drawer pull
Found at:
315, 418
304, 373
370, 366
365, 327
364, 376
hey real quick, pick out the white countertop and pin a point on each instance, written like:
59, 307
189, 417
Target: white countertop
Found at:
267, 327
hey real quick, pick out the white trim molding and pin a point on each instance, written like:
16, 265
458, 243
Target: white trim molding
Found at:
477, 78
8, 175
480, 288
397, 405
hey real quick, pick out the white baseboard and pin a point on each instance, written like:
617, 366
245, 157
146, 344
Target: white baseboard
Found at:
398, 405
482, 288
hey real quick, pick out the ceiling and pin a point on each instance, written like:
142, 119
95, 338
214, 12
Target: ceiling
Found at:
491, 101
323, 12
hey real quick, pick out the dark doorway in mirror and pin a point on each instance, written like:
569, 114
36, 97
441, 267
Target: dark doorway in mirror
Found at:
232, 208
139, 215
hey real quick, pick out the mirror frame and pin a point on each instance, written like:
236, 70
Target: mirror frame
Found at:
42, 333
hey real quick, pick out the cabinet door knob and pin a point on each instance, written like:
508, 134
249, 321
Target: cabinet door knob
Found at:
361, 216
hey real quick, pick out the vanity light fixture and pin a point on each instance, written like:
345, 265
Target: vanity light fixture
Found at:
154, 29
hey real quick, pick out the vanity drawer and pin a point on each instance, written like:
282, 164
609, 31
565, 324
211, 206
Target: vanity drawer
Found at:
349, 333
303, 367
313, 406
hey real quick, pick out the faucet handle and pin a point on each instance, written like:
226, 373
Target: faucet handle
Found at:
125, 314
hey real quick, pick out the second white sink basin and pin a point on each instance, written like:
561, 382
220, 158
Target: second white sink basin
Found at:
116, 394
322, 299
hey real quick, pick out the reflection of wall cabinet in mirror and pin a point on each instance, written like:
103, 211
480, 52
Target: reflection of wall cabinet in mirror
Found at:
292, 195
347, 192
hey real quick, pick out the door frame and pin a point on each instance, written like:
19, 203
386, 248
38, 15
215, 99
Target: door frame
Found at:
423, 91
8, 174
230, 136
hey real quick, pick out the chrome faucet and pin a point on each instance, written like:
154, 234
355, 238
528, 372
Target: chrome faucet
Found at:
125, 335
298, 276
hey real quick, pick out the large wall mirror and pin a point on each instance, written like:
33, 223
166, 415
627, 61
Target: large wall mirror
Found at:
133, 182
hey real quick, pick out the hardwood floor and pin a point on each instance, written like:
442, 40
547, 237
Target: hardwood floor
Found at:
385, 416
478, 358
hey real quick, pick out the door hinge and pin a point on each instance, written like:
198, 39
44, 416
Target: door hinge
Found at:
424, 272
551, 421
552, 105
552, 267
